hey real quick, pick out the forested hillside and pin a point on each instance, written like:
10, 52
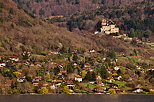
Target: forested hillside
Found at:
46, 8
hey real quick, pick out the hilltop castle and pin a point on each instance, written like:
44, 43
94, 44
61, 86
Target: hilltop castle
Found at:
108, 27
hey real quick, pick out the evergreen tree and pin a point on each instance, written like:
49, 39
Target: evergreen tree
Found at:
88, 76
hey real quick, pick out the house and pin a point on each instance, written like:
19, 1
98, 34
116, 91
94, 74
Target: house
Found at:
1, 57
116, 68
38, 78
86, 68
110, 79
87, 65
98, 77
62, 71
151, 90
75, 64
35, 83
21, 78
78, 78
53, 87
93, 82
14, 58
54, 53
99, 89
138, 90
69, 83
151, 68
92, 51
137, 40
119, 77
2, 64
57, 82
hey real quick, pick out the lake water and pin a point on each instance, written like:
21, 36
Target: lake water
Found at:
77, 98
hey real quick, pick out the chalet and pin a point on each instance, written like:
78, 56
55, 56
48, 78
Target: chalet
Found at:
110, 79
98, 77
78, 78
138, 90
151, 68
92, 51
54, 53
43, 83
53, 87
21, 78
98, 89
137, 40
60, 65
69, 83
87, 65
138, 67
57, 82
116, 68
38, 78
2, 64
151, 89
31, 63
86, 68
26, 53
118, 77
93, 82
75, 64
14, 58
35, 83
104, 59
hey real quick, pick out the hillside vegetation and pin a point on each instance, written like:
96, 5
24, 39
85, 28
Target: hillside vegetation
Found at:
21, 31
47, 8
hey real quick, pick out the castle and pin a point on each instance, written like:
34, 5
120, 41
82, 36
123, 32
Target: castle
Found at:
109, 27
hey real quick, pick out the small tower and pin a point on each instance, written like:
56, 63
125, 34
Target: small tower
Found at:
104, 22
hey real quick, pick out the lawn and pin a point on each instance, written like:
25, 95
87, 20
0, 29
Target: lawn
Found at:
119, 82
89, 84
38, 55
134, 58
151, 58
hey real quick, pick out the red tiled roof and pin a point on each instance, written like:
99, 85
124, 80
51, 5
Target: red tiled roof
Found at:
109, 77
87, 64
86, 67
13, 57
137, 56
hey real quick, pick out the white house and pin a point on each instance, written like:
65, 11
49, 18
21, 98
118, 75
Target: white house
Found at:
138, 90
21, 78
2, 64
53, 87
78, 78
14, 58
116, 68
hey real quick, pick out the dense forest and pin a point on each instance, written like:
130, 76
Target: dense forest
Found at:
46, 8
